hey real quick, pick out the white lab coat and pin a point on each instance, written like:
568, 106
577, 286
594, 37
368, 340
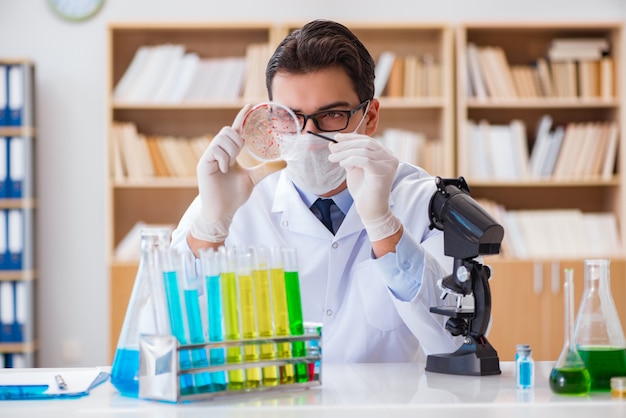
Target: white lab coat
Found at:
342, 285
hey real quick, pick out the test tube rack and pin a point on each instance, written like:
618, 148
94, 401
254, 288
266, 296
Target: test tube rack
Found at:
159, 367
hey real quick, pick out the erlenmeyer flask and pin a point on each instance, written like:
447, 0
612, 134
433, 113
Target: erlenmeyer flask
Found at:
598, 335
141, 315
569, 375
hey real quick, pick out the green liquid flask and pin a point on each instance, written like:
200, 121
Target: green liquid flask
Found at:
262, 289
142, 313
294, 309
598, 334
230, 306
281, 315
569, 376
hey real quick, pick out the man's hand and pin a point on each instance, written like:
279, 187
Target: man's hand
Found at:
224, 185
371, 169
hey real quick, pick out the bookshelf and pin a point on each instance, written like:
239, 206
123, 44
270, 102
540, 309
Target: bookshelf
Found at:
17, 207
141, 198
527, 291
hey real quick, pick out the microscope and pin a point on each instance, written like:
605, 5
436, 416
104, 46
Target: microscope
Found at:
468, 232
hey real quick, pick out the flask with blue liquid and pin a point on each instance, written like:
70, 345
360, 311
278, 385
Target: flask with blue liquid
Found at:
141, 314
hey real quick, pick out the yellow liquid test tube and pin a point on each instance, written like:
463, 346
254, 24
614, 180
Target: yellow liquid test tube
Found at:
248, 317
230, 303
260, 276
281, 315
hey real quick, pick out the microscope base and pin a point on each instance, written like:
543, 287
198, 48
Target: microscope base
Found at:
470, 360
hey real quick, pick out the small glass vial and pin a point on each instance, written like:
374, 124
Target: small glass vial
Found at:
524, 367
618, 387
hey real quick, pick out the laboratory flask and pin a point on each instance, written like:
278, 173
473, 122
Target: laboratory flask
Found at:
598, 334
142, 314
569, 376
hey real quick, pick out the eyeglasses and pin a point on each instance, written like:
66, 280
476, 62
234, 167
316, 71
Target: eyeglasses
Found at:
330, 120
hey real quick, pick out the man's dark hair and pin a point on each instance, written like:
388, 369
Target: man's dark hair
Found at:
321, 44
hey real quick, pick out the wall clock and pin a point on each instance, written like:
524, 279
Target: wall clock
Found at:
76, 10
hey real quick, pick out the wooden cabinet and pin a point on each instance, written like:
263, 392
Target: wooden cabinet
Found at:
527, 292
527, 303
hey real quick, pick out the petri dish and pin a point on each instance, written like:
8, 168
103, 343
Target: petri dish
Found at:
268, 130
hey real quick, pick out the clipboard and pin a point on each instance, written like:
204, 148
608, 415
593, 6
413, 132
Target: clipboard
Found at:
49, 383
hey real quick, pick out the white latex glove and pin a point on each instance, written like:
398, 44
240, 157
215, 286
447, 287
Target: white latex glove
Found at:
224, 185
370, 169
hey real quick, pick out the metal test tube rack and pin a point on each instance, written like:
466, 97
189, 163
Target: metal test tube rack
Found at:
159, 367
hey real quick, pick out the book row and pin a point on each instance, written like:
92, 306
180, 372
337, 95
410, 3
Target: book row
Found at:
556, 233
169, 74
16, 244
139, 157
16, 311
16, 95
16, 167
576, 151
575, 73
414, 148
407, 76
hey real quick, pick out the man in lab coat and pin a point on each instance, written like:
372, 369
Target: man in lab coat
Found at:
369, 276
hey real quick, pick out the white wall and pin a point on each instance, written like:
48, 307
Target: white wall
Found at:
71, 59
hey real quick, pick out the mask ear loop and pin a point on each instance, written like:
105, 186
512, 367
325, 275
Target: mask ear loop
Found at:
367, 107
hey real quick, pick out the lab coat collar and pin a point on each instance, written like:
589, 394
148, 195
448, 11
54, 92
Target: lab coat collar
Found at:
297, 217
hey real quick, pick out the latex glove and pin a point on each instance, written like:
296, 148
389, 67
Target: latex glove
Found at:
223, 184
370, 169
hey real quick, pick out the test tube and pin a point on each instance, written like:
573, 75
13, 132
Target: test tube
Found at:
260, 275
211, 270
281, 316
230, 301
195, 329
170, 267
248, 317
294, 309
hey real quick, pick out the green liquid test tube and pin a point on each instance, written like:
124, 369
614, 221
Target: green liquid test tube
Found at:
265, 326
294, 309
281, 315
230, 303
248, 317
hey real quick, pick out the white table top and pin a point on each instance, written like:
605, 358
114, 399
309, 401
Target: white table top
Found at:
353, 390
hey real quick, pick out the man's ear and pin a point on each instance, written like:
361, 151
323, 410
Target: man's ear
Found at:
371, 118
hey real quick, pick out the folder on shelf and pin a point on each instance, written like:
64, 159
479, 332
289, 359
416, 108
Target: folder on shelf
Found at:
15, 241
4, 166
38, 383
3, 240
4, 95
16, 167
16, 94
7, 311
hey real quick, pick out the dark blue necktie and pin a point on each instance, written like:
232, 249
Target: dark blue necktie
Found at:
324, 205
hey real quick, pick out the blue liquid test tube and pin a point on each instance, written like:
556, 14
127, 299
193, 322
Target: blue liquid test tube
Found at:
170, 268
211, 271
195, 329
230, 301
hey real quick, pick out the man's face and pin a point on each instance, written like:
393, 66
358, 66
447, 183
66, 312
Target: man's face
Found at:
327, 89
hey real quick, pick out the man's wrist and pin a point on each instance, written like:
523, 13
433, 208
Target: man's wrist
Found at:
210, 231
382, 227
